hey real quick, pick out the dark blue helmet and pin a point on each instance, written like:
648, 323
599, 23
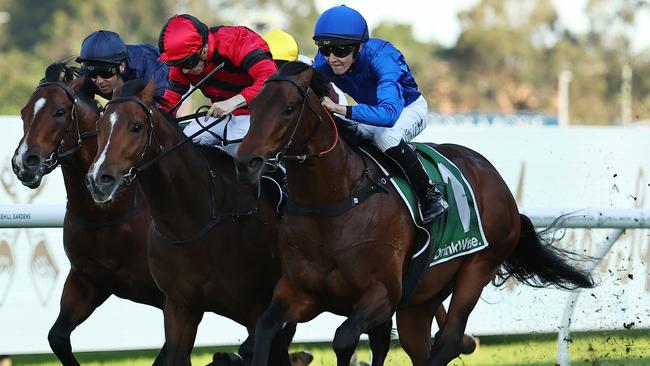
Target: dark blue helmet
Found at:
102, 46
340, 25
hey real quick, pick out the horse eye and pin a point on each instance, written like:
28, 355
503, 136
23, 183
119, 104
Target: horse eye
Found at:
289, 110
60, 112
137, 127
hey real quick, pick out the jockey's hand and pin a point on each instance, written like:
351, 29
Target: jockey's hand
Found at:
225, 107
332, 107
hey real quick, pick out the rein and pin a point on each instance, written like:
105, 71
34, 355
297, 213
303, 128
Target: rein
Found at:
54, 159
215, 217
301, 158
137, 167
354, 198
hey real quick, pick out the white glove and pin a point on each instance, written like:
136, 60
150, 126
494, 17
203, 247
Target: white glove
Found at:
225, 107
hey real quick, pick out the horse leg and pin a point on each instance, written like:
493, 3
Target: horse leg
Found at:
161, 359
379, 339
180, 332
414, 328
287, 307
372, 310
469, 284
78, 301
279, 353
469, 342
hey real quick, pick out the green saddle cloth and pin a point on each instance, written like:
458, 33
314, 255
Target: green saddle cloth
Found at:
458, 231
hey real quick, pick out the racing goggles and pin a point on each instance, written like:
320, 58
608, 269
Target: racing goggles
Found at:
338, 51
188, 62
103, 70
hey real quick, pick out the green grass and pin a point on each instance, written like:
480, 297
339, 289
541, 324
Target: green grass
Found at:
619, 348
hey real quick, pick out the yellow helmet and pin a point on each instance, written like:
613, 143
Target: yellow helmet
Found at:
282, 44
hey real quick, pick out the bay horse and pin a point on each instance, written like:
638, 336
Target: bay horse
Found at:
106, 247
212, 243
352, 262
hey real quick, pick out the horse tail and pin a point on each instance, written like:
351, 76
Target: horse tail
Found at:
535, 262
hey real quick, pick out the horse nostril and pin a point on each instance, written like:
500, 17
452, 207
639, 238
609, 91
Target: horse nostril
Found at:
106, 179
32, 161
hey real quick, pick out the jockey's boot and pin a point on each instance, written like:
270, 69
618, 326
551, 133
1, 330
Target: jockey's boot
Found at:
432, 205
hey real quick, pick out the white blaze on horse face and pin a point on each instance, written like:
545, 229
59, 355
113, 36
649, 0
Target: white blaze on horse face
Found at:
95, 168
22, 149
38, 105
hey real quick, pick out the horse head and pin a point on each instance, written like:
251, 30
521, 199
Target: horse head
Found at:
285, 118
125, 139
52, 121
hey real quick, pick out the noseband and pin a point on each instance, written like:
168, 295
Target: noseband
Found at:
281, 155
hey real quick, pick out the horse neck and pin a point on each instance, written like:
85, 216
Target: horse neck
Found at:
178, 187
331, 175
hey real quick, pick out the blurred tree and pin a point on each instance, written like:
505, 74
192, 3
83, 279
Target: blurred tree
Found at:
43, 32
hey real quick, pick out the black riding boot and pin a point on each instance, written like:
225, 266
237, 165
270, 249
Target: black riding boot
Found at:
432, 205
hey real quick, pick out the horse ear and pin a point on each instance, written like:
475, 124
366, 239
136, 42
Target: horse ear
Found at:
76, 84
117, 89
304, 78
148, 92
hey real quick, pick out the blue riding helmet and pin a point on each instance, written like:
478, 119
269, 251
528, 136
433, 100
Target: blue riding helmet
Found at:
340, 25
102, 46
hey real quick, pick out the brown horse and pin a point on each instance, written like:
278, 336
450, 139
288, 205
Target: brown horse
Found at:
106, 248
212, 240
352, 262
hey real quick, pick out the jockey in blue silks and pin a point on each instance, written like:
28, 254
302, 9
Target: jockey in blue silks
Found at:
391, 111
105, 59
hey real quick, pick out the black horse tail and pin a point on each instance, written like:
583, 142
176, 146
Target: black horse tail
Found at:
535, 262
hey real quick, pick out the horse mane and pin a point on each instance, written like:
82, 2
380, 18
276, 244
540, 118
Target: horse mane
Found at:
317, 82
62, 72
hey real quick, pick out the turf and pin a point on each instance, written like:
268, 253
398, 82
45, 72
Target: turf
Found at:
628, 348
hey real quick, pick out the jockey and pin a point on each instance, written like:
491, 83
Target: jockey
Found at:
391, 110
192, 50
284, 48
107, 61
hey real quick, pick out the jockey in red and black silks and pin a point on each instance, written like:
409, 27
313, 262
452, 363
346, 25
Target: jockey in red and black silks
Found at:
192, 50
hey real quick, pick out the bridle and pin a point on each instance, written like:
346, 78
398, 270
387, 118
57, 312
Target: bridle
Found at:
130, 176
137, 167
54, 159
354, 198
282, 154
215, 216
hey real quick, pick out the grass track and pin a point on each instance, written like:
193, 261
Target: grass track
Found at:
608, 348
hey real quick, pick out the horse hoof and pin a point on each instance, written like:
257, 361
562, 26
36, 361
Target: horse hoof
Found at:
302, 358
226, 359
470, 344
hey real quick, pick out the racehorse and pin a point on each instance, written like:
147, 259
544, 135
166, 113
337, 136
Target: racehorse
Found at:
352, 262
106, 247
212, 241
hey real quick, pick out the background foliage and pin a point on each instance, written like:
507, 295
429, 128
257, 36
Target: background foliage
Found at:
507, 58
